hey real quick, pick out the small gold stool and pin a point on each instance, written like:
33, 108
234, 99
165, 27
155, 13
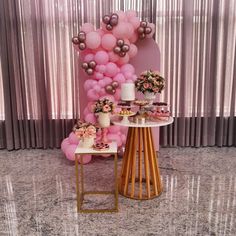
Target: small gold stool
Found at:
80, 151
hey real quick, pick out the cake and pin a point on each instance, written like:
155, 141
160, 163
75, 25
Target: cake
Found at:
127, 92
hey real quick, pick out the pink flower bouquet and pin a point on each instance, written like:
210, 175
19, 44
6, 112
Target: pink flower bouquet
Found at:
84, 130
104, 106
150, 81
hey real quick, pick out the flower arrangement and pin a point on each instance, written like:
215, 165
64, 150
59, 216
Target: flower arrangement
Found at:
150, 81
104, 106
84, 130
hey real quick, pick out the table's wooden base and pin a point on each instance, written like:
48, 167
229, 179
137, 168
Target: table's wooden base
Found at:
146, 182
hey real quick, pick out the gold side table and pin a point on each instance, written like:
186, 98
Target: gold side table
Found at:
80, 151
140, 174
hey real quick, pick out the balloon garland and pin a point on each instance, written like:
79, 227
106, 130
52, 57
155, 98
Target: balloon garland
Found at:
105, 54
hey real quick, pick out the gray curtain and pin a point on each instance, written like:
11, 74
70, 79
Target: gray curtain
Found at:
38, 76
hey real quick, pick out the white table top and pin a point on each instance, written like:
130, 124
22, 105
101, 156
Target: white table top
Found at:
82, 150
146, 125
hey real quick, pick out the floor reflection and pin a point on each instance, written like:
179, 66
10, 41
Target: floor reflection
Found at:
207, 204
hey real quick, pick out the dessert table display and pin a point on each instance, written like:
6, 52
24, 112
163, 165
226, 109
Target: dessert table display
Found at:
81, 192
140, 175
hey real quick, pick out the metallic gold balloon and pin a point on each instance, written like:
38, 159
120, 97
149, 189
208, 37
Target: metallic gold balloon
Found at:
125, 48
120, 42
85, 65
82, 46
113, 21
142, 36
89, 71
106, 19
140, 30
109, 89
115, 84
75, 40
92, 64
114, 16
122, 54
143, 24
148, 30
109, 27
81, 36
116, 50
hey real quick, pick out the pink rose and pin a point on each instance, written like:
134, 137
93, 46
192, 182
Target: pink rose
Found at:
106, 108
146, 85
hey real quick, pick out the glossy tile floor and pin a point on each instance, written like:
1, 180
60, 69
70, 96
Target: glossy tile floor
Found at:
37, 195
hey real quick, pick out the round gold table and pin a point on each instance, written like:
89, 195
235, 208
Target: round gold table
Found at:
140, 174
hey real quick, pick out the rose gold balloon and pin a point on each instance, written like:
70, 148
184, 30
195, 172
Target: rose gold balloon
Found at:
81, 36
120, 42
82, 46
125, 48
148, 30
140, 30
122, 54
109, 89
115, 84
113, 91
92, 64
106, 19
116, 50
142, 36
85, 65
109, 27
75, 40
143, 24
113, 21
89, 71
114, 16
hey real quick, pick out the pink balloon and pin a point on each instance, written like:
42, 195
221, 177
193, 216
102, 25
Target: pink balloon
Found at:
135, 22
134, 77
90, 118
127, 67
73, 139
113, 56
102, 83
114, 129
122, 15
107, 80
92, 95
89, 57
86, 159
89, 83
111, 69
133, 38
108, 41
93, 40
102, 92
65, 143
87, 27
128, 75
86, 111
117, 94
123, 60
101, 57
119, 78
100, 32
97, 88
70, 152
131, 13
120, 31
133, 50
110, 97
101, 68
98, 75
130, 30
